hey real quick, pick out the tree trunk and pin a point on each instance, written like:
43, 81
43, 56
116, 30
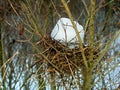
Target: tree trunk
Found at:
53, 86
87, 76
87, 72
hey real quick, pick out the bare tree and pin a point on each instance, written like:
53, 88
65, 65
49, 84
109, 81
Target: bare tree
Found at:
31, 60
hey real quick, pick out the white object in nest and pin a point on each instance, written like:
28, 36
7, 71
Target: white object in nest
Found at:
65, 33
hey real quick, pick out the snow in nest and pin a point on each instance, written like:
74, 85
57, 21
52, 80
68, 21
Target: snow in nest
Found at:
65, 33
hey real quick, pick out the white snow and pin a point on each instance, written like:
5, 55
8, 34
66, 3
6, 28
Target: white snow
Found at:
65, 33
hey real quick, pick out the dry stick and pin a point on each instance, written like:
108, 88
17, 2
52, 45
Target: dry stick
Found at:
8, 61
76, 30
103, 52
72, 72
88, 19
17, 12
85, 7
32, 20
13, 8
116, 65
55, 8
50, 62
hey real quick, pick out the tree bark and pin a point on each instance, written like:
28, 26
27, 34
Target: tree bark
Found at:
87, 72
87, 76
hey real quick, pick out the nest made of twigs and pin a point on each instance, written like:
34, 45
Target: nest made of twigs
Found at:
60, 58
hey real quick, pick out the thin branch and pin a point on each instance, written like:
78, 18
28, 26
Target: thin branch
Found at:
76, 30
104, 51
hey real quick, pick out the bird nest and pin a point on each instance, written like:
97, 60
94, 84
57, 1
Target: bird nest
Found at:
60, 58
